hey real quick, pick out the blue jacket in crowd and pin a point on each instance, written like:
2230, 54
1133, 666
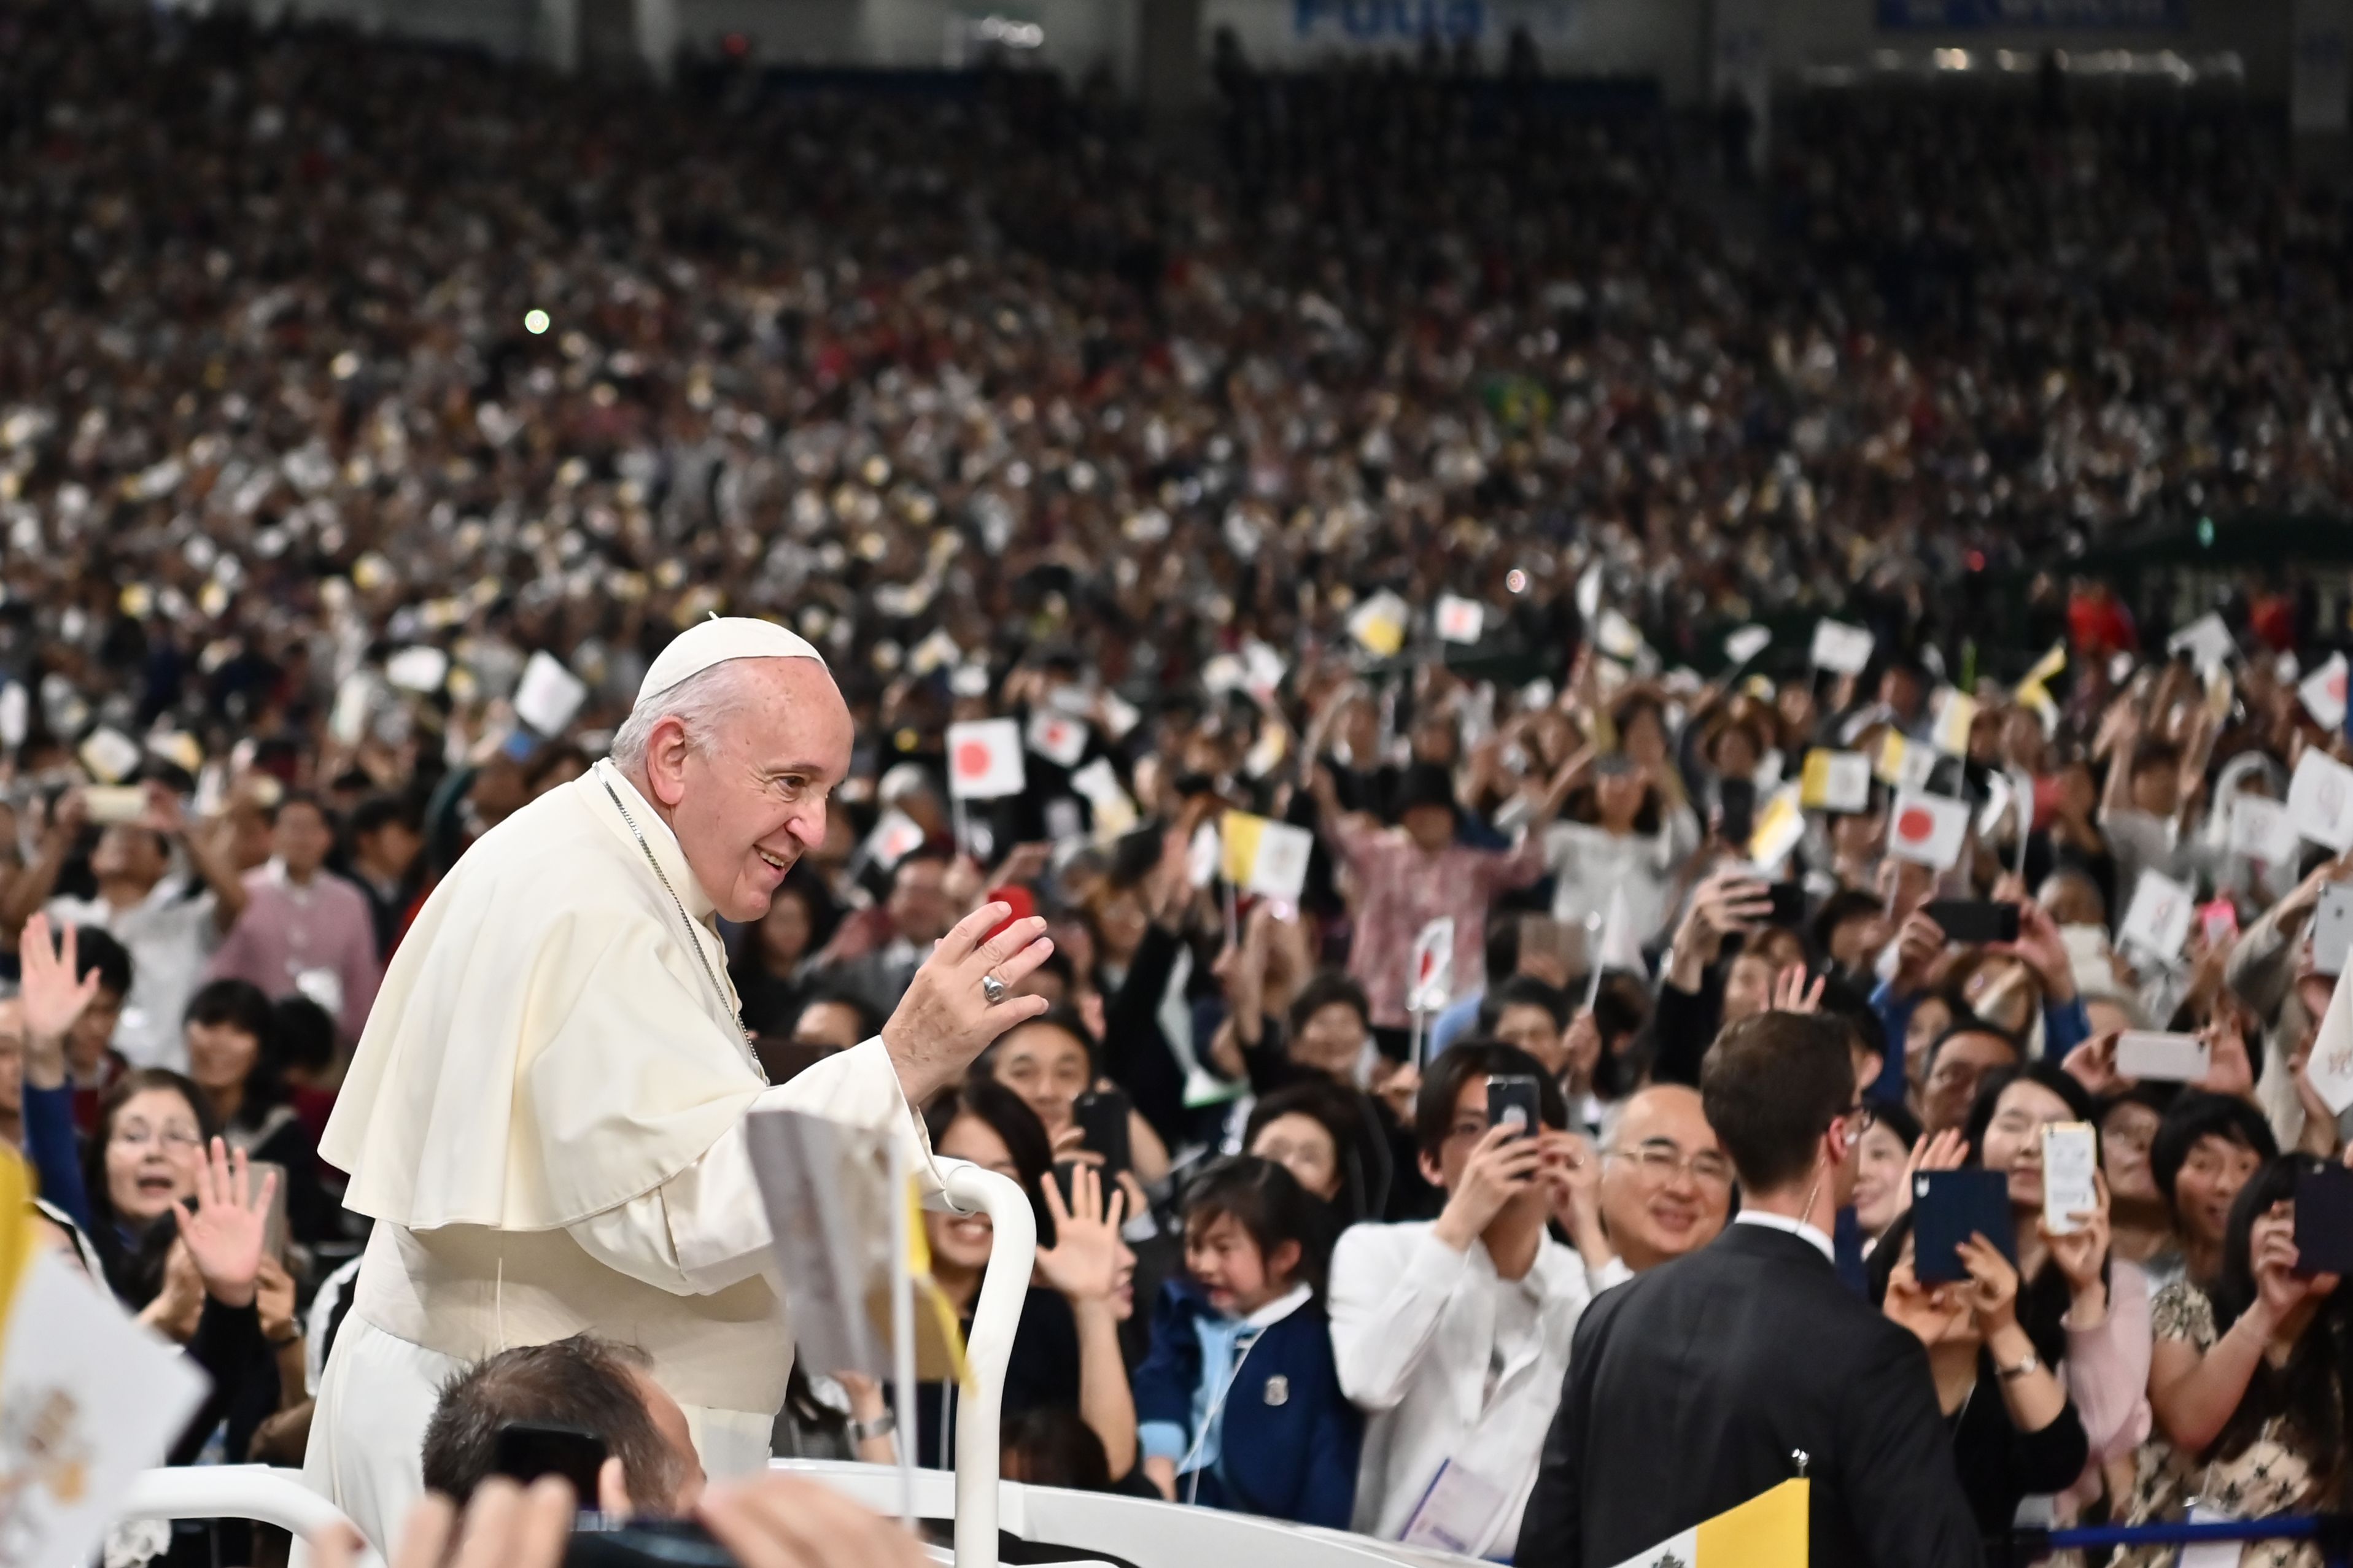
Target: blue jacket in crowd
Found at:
1286, 1439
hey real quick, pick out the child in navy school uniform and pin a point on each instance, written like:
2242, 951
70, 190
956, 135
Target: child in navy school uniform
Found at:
1238, 1404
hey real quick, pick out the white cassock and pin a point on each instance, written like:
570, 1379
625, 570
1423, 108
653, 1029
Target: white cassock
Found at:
546, 1117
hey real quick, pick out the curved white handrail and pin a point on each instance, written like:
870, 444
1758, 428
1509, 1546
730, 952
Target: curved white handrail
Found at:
1012, 1252
259, 1492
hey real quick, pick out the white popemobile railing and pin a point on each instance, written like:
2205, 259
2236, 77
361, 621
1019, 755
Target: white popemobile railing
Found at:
1145, 1534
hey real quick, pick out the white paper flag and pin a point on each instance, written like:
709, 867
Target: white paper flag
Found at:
1114, 812
895, 837
2205, 640
111, 755
2157, 921
1119, 715
1460, 620
1841, 647
1616, 635
548, 695
88, 1400
1263, 857
2260, 829
1057, 737
985, 759
1746, 643
420, 669
2320, 800
1927, 829
1621, 946
2324, 693
1834, 781
2331, 1065
1432, 984
15, 714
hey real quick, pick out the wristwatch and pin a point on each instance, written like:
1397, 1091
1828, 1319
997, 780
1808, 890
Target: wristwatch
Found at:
2021, 1369
882, 1425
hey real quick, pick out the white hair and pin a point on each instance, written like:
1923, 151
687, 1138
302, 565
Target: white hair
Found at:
697, 703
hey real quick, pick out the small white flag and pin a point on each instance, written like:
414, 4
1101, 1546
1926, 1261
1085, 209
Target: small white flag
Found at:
111, 755
2260, 829
91, 1398
1057, 737
1119, 715
1746, 643
1378, 624
15, 714
2205, 640
2324, 693
1114, 811
1432, 984
2157, 921
1928, 829
419, 668
1957, 713
1263, 668
548, 695
1621, 946
895, 837
2331, 1065
985, 759
1841, 647
937, 651
1460, 620
2320, 800
1616, 635
1263, 857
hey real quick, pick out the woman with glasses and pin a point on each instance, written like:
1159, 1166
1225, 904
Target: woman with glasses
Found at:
2085, 1312
143, 1158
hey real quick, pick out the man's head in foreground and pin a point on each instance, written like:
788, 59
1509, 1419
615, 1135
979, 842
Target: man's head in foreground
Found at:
583, 1382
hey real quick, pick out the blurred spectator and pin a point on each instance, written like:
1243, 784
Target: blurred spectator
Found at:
305, 931
1480, 1299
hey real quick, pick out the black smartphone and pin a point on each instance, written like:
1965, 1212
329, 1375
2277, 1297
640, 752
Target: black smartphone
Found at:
1947, 1208
1789, 904
1973, 919
1102, 1116
2324, 1220
1513, 1101
1736, 811
530, 1450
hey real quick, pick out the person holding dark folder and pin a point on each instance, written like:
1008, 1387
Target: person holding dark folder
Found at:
1747, 1361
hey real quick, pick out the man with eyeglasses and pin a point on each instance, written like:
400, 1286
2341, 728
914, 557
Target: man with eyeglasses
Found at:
1665, 1187
1714, 1378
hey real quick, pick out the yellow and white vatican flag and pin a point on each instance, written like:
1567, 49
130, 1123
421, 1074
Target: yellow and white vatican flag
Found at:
1768, 1530
87, 1398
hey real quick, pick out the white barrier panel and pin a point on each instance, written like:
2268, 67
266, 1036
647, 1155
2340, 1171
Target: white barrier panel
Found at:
258, 1492
1135, 1529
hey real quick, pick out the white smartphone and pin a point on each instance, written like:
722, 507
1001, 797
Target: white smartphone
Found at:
2070, 1159
2332, 929
112, 804
2177, 1058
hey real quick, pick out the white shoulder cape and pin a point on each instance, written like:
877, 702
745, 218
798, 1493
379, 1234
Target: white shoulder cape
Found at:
545, 1046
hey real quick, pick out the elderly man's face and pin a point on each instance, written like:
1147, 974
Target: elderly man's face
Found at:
1666, 1185
747, 798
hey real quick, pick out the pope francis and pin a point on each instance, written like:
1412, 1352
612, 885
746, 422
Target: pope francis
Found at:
545, 1116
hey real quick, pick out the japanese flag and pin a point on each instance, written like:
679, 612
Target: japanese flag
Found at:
1927, 829
2320, 800
985, 759
2324, 693
1433, 967
1057, 737
893, 838
1460, 620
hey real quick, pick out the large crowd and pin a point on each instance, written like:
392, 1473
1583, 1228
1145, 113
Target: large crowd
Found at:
348, 384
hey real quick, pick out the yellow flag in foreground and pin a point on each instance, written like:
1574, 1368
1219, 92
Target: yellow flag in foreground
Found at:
1768, 1530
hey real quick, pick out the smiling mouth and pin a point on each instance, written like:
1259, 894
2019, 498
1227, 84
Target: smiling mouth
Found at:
778, 862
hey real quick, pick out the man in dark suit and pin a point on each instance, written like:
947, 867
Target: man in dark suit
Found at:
1721, 1375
